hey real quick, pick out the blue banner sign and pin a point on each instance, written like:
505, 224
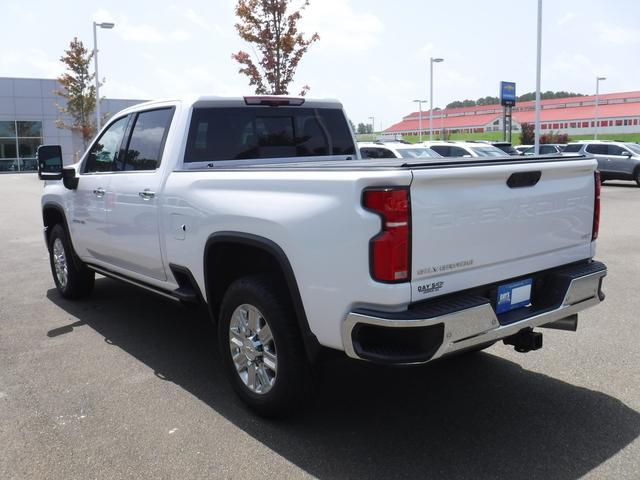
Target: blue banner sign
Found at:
508, 93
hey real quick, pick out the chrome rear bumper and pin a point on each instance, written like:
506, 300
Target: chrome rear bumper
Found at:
458, 322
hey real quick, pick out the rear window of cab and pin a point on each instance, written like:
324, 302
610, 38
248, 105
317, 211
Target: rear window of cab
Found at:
219, 134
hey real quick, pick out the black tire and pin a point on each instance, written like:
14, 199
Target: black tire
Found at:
636, 176
79, 279
292, 380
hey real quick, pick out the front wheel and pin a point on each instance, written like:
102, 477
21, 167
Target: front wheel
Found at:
636, 176
72, 277
261, 348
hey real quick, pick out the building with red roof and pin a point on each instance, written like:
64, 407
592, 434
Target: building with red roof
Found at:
617, 113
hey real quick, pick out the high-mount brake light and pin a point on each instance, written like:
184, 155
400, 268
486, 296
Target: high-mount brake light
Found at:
596, 207
274, 101
390, 250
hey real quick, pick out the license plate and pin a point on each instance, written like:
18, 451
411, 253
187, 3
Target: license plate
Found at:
513, 295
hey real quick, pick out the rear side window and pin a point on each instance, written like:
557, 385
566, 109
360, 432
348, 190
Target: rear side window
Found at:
597, 148
488, 152
218, 134
572, 148
443, 150
147, 140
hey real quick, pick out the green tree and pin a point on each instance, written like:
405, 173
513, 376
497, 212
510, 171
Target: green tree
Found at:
78, 91
364, 128
271, 28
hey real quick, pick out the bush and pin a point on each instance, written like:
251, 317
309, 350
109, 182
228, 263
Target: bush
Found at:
528, 134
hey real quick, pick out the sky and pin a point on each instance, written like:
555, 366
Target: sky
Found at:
372, 55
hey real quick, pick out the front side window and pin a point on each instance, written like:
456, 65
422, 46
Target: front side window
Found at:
616, 150
369, 153
385, 153
219, 134
634, 147
147, 140
105, 150
546, 149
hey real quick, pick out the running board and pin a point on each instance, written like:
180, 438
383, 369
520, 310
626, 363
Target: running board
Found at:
175, 295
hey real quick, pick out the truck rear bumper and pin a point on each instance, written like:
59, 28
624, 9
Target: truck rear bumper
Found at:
429, 330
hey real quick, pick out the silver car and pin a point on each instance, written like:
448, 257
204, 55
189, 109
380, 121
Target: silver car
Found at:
616, 160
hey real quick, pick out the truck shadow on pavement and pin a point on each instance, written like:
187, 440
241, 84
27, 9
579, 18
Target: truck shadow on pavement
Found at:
478, 416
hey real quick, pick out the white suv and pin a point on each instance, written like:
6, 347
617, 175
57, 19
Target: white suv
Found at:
395, 150
465, 149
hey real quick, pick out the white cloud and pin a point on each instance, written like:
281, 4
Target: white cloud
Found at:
340, 27
140, 33
566, 18
193, 17
30, 62
116, 89
617, 35
194, 81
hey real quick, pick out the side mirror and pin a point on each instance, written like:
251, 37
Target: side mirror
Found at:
628, 154
49, 162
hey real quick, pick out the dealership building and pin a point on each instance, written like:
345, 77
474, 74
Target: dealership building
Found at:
617, 113
28, 116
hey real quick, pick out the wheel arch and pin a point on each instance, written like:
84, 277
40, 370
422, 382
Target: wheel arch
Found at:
232, 254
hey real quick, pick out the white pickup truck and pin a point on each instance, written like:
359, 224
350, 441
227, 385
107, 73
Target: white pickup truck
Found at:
261, 209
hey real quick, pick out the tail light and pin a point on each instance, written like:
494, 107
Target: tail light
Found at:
390, 250
596, 207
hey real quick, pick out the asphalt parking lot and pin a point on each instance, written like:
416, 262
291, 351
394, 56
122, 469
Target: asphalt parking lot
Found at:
128, 385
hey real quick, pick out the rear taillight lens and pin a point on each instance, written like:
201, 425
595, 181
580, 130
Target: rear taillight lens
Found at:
390, 250
596, 207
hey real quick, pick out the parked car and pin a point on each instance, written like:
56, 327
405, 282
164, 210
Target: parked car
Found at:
616, 160
522, 148
395, 150
465, 149
505, 147
546, 149
261, 210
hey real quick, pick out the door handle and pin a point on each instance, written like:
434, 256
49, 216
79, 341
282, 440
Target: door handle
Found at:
147, 194
99, 192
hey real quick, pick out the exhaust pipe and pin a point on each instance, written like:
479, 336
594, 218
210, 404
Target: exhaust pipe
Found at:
569, 323
525, 340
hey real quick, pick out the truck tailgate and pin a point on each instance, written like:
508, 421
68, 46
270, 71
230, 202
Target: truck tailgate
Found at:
470, 228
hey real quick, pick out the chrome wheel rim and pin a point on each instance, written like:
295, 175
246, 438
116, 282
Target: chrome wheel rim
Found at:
60, 263
253, 349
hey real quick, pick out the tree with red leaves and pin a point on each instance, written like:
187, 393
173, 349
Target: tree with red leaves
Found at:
78, 91
271, 28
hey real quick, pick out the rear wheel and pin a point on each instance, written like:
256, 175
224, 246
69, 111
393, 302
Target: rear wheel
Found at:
72, 277
261, 348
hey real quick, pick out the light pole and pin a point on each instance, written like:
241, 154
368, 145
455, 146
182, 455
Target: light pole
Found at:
431, 62
373, 125
106, 25
595, 135
420, 102
536, 147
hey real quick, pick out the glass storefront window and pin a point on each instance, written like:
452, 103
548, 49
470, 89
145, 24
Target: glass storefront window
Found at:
19, 142
7, 129
29, 129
